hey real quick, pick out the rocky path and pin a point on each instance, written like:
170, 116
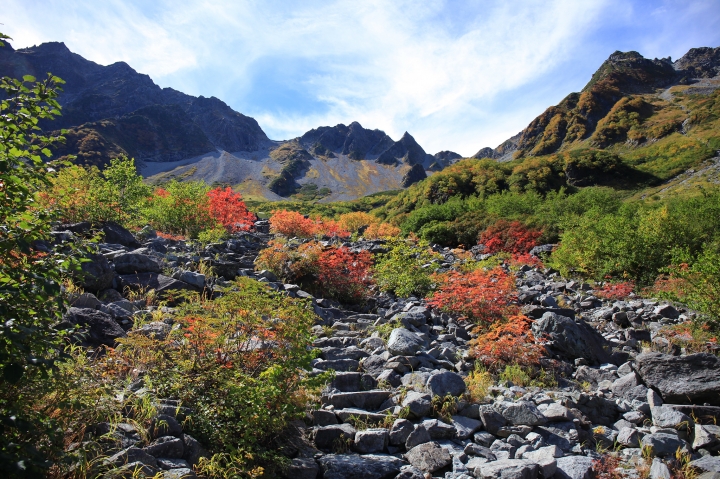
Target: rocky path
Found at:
620, 385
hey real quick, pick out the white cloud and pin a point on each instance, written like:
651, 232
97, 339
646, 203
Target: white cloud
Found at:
425, 67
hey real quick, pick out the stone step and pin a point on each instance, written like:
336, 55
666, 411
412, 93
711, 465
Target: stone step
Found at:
367, 400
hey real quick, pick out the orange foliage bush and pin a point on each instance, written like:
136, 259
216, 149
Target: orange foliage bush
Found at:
343, 274
511, 236
381, 230
478, 296
228, 208
525, 259
356, 220
509, 341
292, 223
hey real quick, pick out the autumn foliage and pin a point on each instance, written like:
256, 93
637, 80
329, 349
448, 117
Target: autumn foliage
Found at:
229, 210
294, 224
381, 231
615, 290
509, 341
509, 236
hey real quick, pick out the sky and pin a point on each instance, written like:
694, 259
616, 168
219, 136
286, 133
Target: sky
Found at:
457, 75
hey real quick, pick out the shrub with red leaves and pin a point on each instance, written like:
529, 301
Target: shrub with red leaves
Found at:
344, 275
478, 296
227, 207
616, 290
292, 223
509, 341
510, 236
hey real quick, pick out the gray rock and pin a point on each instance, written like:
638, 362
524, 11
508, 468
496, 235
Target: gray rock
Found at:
483, 438
302, 468
116, 234
400, 431
522, 413
420, 404
324, 418
438, 429
561, 434
165, 425
491, 419
154, 330
465, 426
428, 457
96, 327
659, 470
183, 473
96, 274
628, 437
694, 378
130, 263
666, 311
166, 446
557, 413
371, 440
193, 449
192, 278
404, 343
545, 457
85, 301
573, 339
336, 436
707, 463
345, 414
446, 382
367, 400
665, 416
131, 470
481, 451
623, 386
574, 467
410, 472
131, 455
172, 463
158, 282
661, 444
350, 466
706, 436
419, 435
508, 469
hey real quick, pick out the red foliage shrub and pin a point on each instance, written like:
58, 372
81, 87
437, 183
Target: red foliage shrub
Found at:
381, 230
526, 259
616, 290
228, 208
344, 275
479, 296
509, 341
607, 467
331, 229
511, 236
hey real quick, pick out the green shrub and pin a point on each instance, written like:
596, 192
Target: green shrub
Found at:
180, 208
403, 269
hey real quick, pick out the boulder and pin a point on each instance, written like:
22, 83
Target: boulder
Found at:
574, 467
166, 446
130, 455
491, 419
129, 263
182, 473
465, 427
96, 327
694, 378
419, 435
574, 340
662, 444
400, 431
546, 458
160, 283
419, 404
155, 330
331, 437
446, 382
371, 440
96, 274
707, 463
302, 468
522, 413
404, 343
116, 234
666, 416
508, 469
350, 466
428, 457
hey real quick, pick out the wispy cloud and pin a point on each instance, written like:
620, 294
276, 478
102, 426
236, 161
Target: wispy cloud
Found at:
434, 68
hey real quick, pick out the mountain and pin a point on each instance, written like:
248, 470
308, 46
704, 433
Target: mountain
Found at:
619, 97
114, 110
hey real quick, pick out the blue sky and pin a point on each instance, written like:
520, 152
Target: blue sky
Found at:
457, 75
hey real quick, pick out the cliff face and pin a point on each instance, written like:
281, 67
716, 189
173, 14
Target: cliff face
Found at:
622, 78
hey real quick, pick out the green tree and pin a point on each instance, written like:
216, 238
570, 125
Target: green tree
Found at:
30, 299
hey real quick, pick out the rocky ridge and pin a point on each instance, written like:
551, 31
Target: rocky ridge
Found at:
619, 384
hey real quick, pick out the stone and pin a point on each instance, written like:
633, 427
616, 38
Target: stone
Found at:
419, 404
690, 379
419, 435
154, 330
367, 400
561, 434
165, 425
351, 466
545, 457
131, 470
438, 429
706, 436
130, 263
410, 472
345, 415
707, 463
183, 473
96, 328
659, 470
96, 274
166, 446
666, 311
508, 469
116, 234
428, 457
481, 451
331, 437
192, 278
628, 437
324, 418
172, 463
400, 431
404, 343
483, 438
666, 416
193, 449
522, 413
131, 455
661, 444
302, 468
491, 419
147, 281
446, 382
622, 387
557, 413
574, 340
465, 427
574, 467
371, 440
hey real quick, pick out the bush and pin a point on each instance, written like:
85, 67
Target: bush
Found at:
509, 236
479, 296
352, 222
180, 208
381, 231
508, 341
228, 209
293, 224
402, 270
